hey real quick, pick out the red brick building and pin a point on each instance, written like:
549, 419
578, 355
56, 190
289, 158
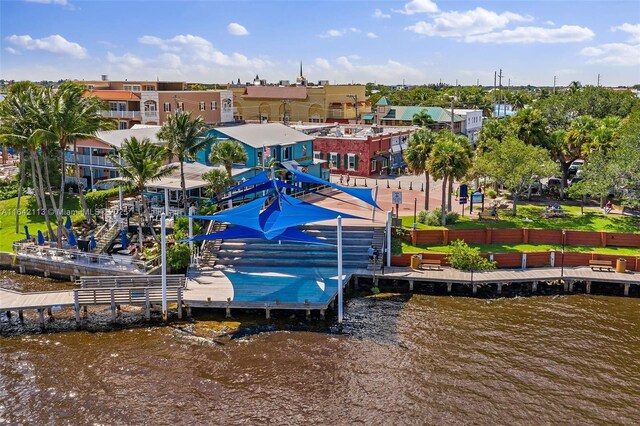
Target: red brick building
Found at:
360, 151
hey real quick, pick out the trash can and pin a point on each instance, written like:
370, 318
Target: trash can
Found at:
621, 265
415, 261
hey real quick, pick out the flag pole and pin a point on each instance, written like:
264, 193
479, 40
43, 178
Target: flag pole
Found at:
375, 198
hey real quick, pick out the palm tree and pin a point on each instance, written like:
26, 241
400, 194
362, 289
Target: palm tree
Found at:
575, 86
530, 126
422, 119
141, 162
227, 153
449, 160
417, 154
185, 136
69, 116
218, 181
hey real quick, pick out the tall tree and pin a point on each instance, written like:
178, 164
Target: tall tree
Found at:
227, 153
449, 159
185, 136
141, 162
516, 165
70, 116
530, 126
417, 155
218, 182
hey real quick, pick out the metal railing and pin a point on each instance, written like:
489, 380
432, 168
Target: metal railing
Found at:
77, 257
88, 160
121, 114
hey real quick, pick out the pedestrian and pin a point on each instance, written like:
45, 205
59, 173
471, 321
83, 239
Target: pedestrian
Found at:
347, 180
371, 251
341, 179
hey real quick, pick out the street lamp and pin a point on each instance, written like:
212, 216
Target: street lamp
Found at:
564, 233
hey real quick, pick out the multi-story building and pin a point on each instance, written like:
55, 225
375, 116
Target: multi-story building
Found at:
472, 123
150, 102
391, 115
264, 142
362, 150
315, 104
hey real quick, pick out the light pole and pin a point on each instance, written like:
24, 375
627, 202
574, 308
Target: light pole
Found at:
564, 233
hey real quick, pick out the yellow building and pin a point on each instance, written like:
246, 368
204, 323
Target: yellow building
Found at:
316, 104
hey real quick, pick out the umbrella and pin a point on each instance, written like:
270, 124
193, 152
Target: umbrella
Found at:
40, 238
67, 224
26, 231
123, 239
72, 239
92, 242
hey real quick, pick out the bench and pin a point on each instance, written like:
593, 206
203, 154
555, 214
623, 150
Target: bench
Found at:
430, 264
487, 216
601, 264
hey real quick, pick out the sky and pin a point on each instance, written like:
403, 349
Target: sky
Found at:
387, 42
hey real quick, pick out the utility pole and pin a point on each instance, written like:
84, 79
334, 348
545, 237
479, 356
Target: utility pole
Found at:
554, 84
598, 79
500, 95
355, 101
493, 94
452, 132
285, 114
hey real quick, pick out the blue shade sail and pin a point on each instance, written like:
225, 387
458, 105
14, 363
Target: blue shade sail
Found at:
72, 239
40, 238
67, 224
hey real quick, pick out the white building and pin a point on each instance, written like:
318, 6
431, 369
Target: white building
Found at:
472, 123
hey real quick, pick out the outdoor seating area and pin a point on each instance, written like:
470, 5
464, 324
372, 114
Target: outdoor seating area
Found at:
488, 215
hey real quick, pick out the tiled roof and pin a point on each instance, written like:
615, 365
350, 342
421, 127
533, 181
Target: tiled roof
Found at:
383, 101
114, 95
406, 113
117, 137
275, 92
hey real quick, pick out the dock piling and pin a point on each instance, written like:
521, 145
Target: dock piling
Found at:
449, 287
179, 303
322, 313
626, 289
308, 314
113, 306
41, 317
588, 287
499, 289
475, 289
534, 286
21, 316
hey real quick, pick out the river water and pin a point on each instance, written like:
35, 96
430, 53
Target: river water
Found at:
399, 360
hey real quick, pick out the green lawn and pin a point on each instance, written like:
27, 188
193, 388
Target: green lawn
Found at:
530, 216
517, 248
30, 216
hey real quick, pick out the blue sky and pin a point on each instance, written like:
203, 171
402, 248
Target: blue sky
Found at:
418, 41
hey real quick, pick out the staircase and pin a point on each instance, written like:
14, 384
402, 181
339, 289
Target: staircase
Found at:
378, 242
209, 249
356, 240
107, 238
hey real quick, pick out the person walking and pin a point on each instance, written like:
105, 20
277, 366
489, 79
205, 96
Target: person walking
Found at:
371, 252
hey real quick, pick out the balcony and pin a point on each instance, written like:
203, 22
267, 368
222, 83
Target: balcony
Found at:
88, 160
121, 114
150, 115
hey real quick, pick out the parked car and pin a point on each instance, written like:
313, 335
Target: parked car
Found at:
575, 167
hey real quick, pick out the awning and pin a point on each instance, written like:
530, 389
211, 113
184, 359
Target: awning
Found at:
368, 117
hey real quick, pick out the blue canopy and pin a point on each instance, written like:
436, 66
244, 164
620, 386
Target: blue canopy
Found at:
123, 238
26, 232
72, 239
240, 232
67, 224
40, 238
261, 177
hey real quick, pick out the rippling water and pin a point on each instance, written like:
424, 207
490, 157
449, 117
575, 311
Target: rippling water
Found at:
400, 360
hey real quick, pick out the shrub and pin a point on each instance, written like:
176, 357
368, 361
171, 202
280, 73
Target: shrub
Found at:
466, 258
178, 257
433, 217
98, 199
491, 193
181, 228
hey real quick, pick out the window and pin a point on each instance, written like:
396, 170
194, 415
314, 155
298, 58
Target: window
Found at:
202, 108
167, 107
286, 153
180, 106
351, 162
214, 105
333, 160
132, 87
373, 165
123, 125
149, 88
317, 155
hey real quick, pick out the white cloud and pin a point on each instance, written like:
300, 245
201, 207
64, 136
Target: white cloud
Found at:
550, 23
322, 63
631, 29
372, 35
378, 14
333, 33
199, 49
54, 44
12, 51
458, 24
59, 2
564, 34
418, 6
613, 54
237, 29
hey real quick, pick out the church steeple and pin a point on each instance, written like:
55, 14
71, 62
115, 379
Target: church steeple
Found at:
300, 69
301, 80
